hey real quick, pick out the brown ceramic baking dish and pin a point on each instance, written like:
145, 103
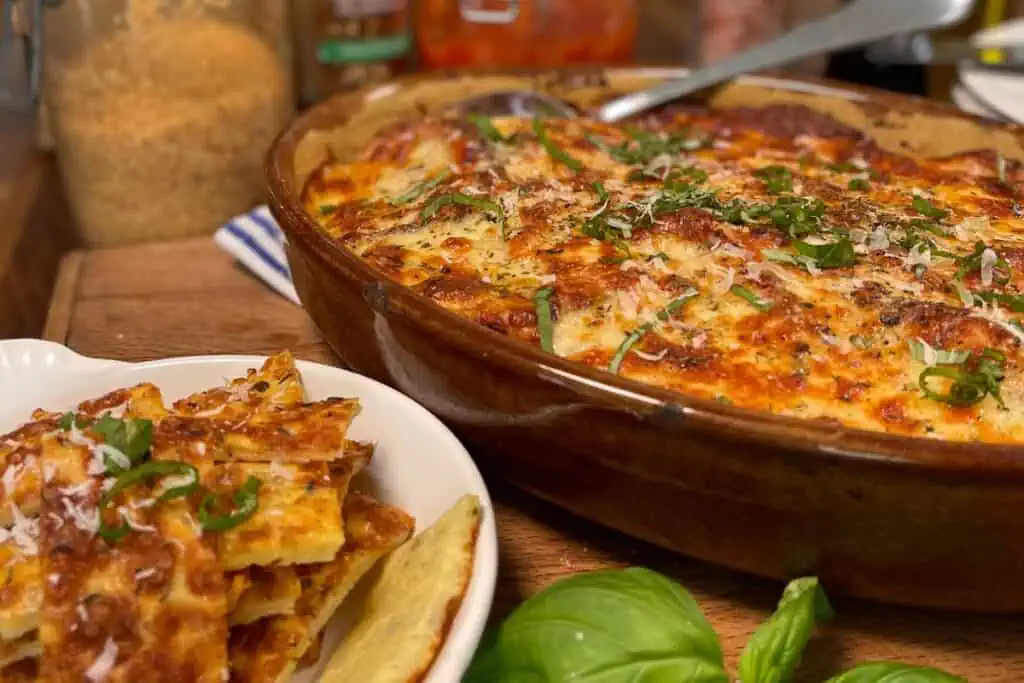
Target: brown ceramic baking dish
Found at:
891, 518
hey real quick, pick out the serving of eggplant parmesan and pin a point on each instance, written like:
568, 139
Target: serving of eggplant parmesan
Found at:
771, 259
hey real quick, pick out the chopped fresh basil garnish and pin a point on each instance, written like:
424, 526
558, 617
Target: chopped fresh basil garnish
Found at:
131, 437
417, 191
751, 298
486, 128
246, 501
327, 209
1014, 302
777, 179
927, 209
838, 254
139, 475
635, 336
977, 376
859, 184
602, 194
690, 173
798, 216
645, 147
435, 204
922, 352
68, 420
553, 150
545, 323
973, 262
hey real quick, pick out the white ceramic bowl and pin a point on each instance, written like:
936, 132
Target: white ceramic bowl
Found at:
419, 465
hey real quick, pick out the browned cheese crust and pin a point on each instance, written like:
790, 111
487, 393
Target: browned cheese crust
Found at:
772, 259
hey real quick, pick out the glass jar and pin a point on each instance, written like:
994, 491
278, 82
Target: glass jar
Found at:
161, 110
524, 33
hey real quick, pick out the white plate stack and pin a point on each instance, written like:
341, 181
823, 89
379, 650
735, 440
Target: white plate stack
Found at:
988, 92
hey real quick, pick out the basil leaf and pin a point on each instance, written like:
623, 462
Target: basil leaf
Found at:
327, 209
615, 626
859, 184
775, 648
894, 672
553, 150
131, 437
838, 254
67, 420
486, 128
545, 324
763, 305
926, 208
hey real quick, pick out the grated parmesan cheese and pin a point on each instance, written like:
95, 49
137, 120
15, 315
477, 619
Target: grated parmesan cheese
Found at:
104, 664
988, 265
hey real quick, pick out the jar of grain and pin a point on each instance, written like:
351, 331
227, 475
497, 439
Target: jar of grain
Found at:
161, 110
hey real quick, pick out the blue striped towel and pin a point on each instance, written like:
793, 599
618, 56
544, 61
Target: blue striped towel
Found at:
258, 244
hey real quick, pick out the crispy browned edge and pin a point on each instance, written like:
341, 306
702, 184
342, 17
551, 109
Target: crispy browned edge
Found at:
340, 127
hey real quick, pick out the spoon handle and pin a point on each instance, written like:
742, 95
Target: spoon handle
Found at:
859, 22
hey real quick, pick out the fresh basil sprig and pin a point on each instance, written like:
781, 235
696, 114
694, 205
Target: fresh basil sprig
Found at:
636, 626
612, 626
774, 650
894, 672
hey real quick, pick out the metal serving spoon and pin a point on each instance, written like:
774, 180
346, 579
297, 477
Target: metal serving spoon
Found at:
857, 23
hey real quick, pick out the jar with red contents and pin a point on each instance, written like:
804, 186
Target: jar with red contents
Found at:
482, 34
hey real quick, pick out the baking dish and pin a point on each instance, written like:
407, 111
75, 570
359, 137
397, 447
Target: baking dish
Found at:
886, 517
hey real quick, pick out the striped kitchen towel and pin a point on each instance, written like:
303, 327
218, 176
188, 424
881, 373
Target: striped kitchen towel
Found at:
258, 244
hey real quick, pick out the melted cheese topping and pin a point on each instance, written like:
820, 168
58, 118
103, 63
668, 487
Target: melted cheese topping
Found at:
815, 258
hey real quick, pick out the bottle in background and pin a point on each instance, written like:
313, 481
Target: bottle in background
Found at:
494, 34
345, 44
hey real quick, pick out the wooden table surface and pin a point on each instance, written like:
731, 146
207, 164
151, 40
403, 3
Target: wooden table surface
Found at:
184, 298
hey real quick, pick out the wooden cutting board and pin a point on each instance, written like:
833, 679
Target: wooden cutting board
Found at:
185, 298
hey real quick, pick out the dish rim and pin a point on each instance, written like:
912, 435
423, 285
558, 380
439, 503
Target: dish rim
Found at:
467, 627
806, 437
